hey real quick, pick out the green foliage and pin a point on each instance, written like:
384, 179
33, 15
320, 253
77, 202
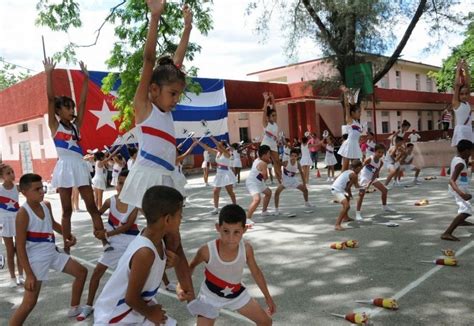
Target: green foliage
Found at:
9, 75
445, 77
130, 18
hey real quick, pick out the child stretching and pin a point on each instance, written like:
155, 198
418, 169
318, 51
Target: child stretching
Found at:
8, 208
37, 249
121, 229
460, 104
370, 144
406, 163
368, 176
393, 158
341, 189
329, 158
459, 187
290, 168
128, 296
270, 127
225, 259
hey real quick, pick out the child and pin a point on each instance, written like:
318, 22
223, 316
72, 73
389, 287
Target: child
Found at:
117, 168
460, 104
225, 259
9, 198
286, 150
446, 118
132, 152
270, 137
414, 136
37, 249
405, 125
329, 158
205, 167
256, 183
341, 189
128, 296
406, 163
459, 187
224, 175
121, 229
290, 168
99, 181
393, 158
180, 178
306, 160
370, 143
370, 172
236, 160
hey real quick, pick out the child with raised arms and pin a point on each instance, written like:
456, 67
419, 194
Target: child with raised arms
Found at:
341, 190
290, 168
270, 126
460, 104
9, 197
329, 158
36, 248
368, 176
225, 259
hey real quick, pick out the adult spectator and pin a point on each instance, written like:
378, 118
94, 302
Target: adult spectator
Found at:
314, 144
414, 137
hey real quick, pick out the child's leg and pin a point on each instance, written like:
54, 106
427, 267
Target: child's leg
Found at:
99, 271
270, 173
345, 208
66, 204
276, 165
448, 234
383, 190
345, 164
360, 199
100, 194
277, 195
237, 173
216, 194
255, 313
79, 273
391, 174
306, 173
253, 205
230, 191
203, 321
417, 173
266, 199
205, 174
88, 197
304, 190
10, 248
27, 305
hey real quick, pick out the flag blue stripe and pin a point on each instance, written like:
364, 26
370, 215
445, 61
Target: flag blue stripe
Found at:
188, 113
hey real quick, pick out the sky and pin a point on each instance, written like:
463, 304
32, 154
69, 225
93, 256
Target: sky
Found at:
231, 50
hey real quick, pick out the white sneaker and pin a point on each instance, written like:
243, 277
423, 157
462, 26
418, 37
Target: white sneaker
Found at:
359, 217
171, 287
267, 213
389, 209
12, 283
86, 312
249, 223
20, 280
416, 182
308, 204
215, 211
277, 212
74, 311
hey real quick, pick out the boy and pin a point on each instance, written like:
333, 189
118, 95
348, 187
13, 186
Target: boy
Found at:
341, 189
370, 172
37, 252
128, 296
225, 259
393, 158
289, 169
406, 163
121, 229
459, 187
256, 183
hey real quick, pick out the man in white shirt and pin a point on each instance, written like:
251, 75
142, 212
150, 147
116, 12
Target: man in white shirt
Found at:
413, 137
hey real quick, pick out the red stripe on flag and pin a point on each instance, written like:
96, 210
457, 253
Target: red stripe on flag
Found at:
220, 282
159, 133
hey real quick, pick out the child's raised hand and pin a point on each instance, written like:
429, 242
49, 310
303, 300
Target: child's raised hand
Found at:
271, 306
157, 7
266, 96
84, 68
157, 315
188, 16
48, 64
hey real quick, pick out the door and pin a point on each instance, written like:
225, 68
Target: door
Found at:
25, 157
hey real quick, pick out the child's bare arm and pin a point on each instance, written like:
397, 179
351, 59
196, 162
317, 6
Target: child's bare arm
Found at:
181, 157
262, 167
53, 123
259, 278
202, 255
457, 86
105, 207
266, 98
21, 225
125, 227
178, 57
208, 148
82, 100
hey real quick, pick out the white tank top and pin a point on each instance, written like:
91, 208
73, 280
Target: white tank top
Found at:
255, 175
206, 156
223, 163
110, 307
116, 169
9, 201
354, 131
157, 147
369, 169
463, 115
371, 146
66, 143
40, 240
408, 159
235, 154
464, 178
305, 152
224, 278
117, 219
341, 182
100, 172
291, 169
270, 133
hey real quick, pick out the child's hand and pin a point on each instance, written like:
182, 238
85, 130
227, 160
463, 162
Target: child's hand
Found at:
266, 96
100, 234
172, 259
183, 295
49, 65
158, 315
188, 16
30, 282
157, 7
84, 68
271, 306
68, 243
466, 196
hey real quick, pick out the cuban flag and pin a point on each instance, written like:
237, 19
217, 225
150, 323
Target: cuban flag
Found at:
210, 107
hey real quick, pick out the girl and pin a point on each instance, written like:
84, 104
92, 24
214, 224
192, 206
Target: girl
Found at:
330, 158
236, 161
132, 153
99, 181
180, 178
224, 175
8, 208
119, 163
205, 167
370, 143
350, 148
270, 136
460, 104
70, 170
306, 161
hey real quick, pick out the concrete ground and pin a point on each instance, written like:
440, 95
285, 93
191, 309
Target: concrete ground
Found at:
307, 279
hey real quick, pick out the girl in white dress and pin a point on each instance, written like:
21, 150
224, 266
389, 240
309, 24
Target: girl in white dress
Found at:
99, 181
180, 178
306, 160
236, 160
460, 104
350, 148
224, 175
330, 158
205, 167
270, 136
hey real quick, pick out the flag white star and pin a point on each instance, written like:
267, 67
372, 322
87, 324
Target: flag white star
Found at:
105, 116
11, 204
227, 291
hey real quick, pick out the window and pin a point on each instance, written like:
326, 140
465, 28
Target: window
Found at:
22, 127
369, 126
40, 135
417, 82
398, 77
43, 155
385, 127
430, 124
419, 123
385, 114
399, 113
369, 113
384, 82
10, 141
429, 84
244, 134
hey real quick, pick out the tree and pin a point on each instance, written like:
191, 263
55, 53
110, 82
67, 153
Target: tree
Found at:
352, 31
9, 74
445, 76
131, 21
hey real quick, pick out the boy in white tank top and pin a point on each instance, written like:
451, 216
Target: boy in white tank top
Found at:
121, 229
225, 259
406, 164
37, 250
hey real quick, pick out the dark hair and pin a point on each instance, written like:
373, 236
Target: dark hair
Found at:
371, 133
232, 214
304, 140
99, 156
119, 157
27, 179
263, 149
235, 146
405, 123
60, 101
159, 201
270, 111
356, 164
124, 173
287, 140
379, 146
132, 151
3, 168
398, 139
353, 108
166, 72
294, 151
464, 145
410, 145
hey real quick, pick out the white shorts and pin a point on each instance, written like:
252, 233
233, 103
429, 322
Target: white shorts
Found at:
393, 166
290, 182
464, 207
339, 195
205, 296
111, 258
407, 167
255, 188
270, 143
7, 225
71, 172
55, 261
205, 164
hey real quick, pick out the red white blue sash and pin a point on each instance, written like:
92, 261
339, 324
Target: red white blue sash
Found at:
40, 237
222, 288
9, 204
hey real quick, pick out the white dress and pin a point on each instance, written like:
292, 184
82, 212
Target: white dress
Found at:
463, 128
330, 158
180, 180
350, 148
224, 175
206, 160
236, 161
116, 169
99, 180
255, 182
305, 156
270, 136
